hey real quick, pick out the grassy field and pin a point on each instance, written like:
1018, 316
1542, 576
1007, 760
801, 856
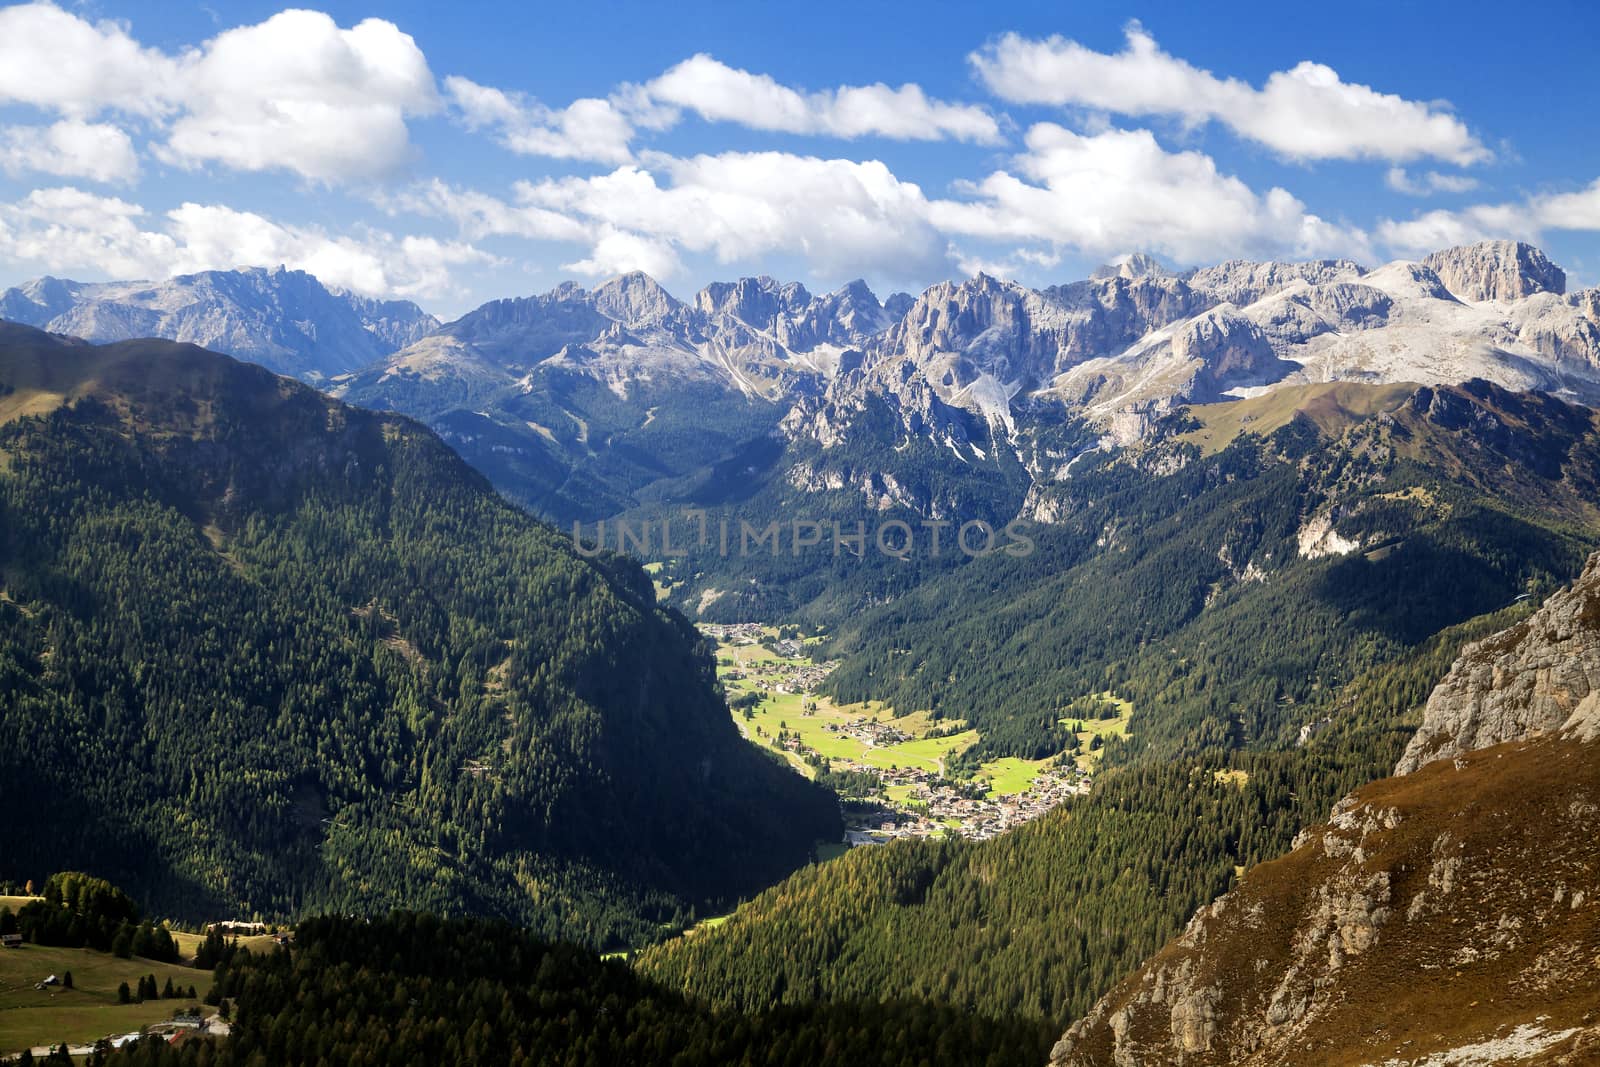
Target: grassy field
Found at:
189, 944
1102, 728
31, 1017
811, 717
1332, 406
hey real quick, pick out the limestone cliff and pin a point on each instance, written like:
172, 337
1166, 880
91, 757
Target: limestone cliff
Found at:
1447, 916
1539, 677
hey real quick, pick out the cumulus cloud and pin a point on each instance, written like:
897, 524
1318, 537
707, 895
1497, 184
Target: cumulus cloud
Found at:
602, 131
720, 93
587, 129
70, 148
839, 215
1307, 112
55, 60
1119, 189
617, 251
1525, 219
297, 92
68, 229
61, 229
478, 215
1099, 194
210, 236
1426, 184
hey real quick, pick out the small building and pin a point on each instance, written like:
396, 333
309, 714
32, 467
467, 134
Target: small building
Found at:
10, 940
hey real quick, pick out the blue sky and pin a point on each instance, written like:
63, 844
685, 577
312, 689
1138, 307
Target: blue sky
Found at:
454, 154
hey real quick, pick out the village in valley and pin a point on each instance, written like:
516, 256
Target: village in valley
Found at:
892, 771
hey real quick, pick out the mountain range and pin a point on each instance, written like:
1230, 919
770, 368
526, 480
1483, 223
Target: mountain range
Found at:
978, 367
287, 321
584, 404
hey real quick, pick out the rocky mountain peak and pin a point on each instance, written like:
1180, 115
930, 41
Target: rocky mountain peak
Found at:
286, 320
897, 304
1502, 271
1132, 265
755, 301
634, 299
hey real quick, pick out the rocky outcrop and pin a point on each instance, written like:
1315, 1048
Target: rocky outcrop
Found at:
1565, 329
285, 320
1431, 917
635, 299
1502, 271
1445, 916
759, 302
1541, 676
1241, 282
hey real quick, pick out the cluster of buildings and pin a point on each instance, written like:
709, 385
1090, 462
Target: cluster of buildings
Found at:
925, 804
874, 733
181, 1027
935, 806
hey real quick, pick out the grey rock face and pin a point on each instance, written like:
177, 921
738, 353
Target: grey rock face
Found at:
753, 336
1566, 329
284, 320
1136, 265
1497, 270
634, 299
1242, 282
1540, 676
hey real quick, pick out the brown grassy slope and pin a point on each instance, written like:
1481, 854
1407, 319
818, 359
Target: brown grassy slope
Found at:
1442, 910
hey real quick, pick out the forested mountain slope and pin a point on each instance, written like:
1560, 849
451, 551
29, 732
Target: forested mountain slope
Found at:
410, 989
1040, 921
1220, 593
263, 652
1275, 611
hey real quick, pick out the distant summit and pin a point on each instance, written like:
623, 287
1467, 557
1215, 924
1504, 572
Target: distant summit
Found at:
285, 320
1132, 265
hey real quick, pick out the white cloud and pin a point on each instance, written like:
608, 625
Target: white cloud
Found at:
1401, 181
64, 229
1303, 113
720, 93
617, 252
838, 215
70, 148
55, 60
1100, 195
602, 131
587, 129
69, 230
1526, 219
295, 92
1119, 189
478, 215
298, 93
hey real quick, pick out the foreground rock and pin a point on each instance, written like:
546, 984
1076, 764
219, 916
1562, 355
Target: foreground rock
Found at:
1542, 676
1447, 916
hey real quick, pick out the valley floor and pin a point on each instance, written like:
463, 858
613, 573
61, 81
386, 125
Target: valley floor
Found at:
917, 795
